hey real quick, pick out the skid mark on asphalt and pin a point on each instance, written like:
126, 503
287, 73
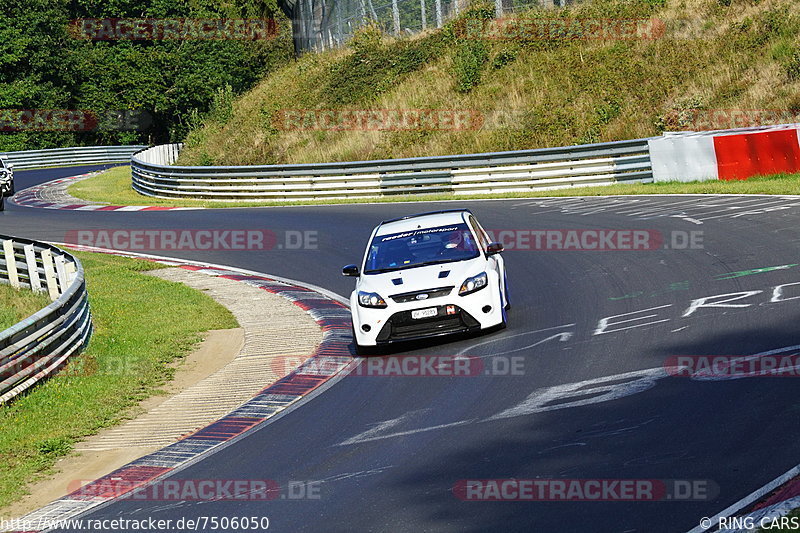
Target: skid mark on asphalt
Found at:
356, 475
695, 210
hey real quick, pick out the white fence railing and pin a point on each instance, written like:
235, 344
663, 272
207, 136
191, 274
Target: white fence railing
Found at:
37, 347
153, 174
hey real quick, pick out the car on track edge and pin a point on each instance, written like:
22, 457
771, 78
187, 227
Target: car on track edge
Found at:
427, 275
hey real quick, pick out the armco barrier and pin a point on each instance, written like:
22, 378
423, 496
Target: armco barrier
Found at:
82, 155
37, 347
519, 171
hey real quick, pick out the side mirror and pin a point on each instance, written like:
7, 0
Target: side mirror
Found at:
494, 248
350, 270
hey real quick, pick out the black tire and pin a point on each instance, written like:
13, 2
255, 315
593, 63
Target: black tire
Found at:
504, 323
508, 299
358, 349
361, 351
2, 202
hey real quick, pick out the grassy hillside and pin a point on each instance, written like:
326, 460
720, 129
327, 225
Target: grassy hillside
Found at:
713, 54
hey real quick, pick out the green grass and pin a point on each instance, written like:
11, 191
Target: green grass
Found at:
18, 304
114, 187
142, 324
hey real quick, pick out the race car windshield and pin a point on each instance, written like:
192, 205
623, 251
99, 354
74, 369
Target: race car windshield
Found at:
421, 247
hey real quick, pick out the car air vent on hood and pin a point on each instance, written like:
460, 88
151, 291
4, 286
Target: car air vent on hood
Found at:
397, 281
444, 273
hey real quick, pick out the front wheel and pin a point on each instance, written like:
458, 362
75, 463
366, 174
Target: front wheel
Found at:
505, 290
361, 351
2, 202
503, 313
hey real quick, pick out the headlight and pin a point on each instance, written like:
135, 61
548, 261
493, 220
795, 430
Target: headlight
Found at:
475, 283
370, 299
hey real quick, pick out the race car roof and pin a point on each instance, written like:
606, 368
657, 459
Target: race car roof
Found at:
424, 220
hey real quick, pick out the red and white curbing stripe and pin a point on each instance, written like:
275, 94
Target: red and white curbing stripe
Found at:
725, 155
772, 501
53, 195
331, 358
780, 502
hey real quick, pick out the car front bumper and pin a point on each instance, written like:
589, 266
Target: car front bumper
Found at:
401, 326
6, 186
454, 314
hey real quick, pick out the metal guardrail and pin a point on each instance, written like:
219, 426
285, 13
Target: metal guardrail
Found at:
82, 155
153, 174
40, 345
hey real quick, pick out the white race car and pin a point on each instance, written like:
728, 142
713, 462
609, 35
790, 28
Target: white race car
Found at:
426, 275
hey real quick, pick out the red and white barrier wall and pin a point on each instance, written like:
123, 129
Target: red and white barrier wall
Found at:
725, 155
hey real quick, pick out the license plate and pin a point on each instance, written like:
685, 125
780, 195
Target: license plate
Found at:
424, 313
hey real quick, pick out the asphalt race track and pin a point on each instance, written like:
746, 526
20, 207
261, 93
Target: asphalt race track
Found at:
386, 452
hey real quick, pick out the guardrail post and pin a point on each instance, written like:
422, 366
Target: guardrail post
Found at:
61, 272
33, 268
49, 274
11, 263
71, 272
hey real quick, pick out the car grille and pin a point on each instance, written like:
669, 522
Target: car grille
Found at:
401, 326
443, 325
412, 296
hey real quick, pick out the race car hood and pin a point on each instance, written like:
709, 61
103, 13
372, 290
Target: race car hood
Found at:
417, 279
